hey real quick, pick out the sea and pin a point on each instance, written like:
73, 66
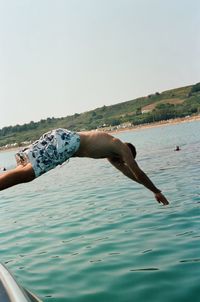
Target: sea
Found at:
85, 233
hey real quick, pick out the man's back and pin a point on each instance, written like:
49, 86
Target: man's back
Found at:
96, 144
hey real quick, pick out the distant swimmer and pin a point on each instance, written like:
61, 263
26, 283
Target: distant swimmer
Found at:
177, 148
3, 169
57, 146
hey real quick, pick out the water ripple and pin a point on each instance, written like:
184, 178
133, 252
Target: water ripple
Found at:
95, 236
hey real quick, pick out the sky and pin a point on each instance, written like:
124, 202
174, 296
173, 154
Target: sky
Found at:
60, 57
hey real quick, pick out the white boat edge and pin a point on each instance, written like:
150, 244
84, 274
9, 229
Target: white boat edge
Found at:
15, 292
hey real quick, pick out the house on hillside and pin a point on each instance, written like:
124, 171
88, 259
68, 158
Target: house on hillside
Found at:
145, 110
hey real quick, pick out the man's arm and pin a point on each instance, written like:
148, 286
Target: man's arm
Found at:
137, 174
119, 165
16, 176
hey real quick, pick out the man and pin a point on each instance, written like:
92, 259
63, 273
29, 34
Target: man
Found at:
58, 145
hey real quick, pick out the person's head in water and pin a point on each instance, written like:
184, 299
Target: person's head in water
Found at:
132, 148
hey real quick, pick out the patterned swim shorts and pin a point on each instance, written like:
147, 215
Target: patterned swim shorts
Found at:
51, 150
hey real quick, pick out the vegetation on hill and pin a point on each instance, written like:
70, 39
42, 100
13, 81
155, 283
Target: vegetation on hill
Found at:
169, 104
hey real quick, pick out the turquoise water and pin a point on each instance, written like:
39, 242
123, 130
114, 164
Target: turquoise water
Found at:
85, 233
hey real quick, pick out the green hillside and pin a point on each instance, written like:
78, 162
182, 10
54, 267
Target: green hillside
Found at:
158, 106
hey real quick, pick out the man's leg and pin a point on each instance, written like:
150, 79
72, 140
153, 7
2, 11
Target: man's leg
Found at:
20, 174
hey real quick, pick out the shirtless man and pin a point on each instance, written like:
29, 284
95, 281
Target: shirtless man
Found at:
57, 146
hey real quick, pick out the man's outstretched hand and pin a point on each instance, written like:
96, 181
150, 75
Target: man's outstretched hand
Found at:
161, 198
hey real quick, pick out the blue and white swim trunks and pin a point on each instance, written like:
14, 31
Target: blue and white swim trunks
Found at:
51, 150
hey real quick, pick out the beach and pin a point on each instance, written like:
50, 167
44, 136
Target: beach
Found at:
133, 128
159, 124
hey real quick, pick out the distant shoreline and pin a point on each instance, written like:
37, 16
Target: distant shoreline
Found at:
136, 128
163, 123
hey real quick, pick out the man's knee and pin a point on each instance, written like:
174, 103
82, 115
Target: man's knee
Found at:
27, 173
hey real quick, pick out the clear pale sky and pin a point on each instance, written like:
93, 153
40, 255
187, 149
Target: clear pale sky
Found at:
60, 57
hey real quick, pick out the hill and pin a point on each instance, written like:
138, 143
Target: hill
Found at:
158, 106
